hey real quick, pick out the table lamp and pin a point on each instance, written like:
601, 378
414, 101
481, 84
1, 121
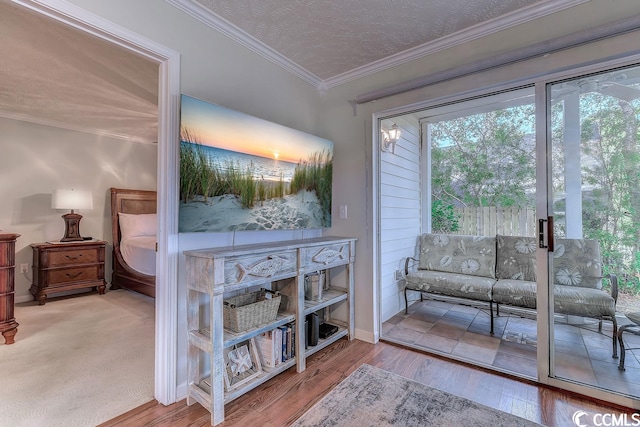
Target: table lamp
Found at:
71, 199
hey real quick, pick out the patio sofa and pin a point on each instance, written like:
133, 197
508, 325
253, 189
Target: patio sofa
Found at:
501, 270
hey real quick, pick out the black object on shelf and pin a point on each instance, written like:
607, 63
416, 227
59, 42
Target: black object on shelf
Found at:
313, 330
326, 330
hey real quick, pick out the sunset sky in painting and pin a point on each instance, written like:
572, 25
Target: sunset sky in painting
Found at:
220, 127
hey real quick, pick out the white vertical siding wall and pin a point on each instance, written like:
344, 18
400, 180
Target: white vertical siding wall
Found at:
400, 212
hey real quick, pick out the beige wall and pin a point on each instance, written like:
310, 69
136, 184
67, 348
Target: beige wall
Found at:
37, 159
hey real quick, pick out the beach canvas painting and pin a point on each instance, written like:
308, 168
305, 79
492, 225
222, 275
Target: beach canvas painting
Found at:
238, 172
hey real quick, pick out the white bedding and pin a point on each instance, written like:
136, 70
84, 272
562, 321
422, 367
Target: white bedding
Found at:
140, 253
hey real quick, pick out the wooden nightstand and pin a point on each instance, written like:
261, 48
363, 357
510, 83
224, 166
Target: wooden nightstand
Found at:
61, 267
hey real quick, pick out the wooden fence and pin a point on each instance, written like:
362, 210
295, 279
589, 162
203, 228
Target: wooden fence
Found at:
489, 221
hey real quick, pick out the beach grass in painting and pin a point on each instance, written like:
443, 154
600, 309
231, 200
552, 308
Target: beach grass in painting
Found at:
229, 186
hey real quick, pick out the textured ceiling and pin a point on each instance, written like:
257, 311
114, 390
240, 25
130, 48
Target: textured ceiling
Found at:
55, 75
331, 37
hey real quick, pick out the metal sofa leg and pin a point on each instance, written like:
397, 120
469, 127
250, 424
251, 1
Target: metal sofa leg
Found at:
406, 301
615, 331
621, 365
491, 315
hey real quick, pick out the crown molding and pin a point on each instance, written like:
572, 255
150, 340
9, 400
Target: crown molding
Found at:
225, 27
477, 31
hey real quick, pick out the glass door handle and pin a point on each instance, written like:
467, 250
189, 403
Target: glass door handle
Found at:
545, 233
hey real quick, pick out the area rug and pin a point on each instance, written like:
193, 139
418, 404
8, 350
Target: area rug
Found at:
78, 361
373, 397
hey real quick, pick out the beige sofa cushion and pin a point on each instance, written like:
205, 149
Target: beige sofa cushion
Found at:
451, 284
576, 262
519, 293
516, 258
587, 302
470, 255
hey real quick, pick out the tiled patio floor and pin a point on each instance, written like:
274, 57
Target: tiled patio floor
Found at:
582, 354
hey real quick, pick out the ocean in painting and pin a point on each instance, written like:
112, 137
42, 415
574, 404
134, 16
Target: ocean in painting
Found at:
260, 167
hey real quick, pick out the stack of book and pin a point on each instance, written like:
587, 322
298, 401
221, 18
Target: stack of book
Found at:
277, 345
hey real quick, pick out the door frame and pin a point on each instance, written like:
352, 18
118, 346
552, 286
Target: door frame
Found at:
168, 60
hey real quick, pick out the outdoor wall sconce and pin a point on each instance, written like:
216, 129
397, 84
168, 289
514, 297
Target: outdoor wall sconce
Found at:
389, 138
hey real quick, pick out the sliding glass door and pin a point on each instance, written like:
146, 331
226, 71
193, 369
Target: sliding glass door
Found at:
554, 172
593, 236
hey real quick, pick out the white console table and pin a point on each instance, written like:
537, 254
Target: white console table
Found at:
216, 273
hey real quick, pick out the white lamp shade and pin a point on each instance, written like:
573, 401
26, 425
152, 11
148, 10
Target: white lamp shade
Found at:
71, 199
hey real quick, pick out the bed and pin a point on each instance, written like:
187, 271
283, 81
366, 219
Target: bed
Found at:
133, 225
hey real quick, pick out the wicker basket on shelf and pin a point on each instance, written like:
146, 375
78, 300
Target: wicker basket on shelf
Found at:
250, 310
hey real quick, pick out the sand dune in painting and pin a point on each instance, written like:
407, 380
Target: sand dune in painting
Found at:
225, 213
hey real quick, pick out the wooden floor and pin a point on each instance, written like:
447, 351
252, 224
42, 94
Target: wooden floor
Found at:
286, 397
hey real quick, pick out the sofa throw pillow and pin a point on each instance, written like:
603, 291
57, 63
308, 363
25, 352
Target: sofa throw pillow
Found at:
516, 258
471, 255
576, 262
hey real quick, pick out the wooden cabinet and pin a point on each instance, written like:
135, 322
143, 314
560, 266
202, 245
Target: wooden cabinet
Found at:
218, 273
59, 267
8, 324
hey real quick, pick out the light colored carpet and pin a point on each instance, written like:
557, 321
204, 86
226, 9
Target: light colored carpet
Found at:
373, 397
78, 361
